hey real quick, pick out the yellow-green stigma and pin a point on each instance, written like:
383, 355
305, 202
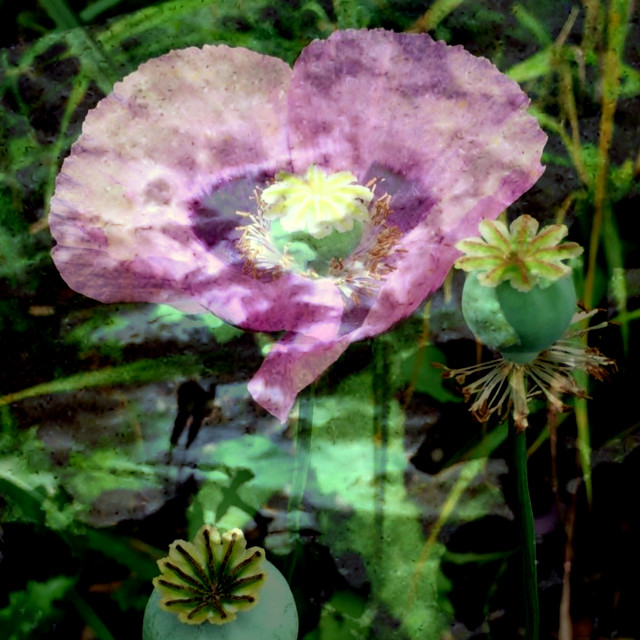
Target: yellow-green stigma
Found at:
519, 254
317, 203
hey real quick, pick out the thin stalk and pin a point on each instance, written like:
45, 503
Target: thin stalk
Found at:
611, 69
524, 518
300, 471
382, 402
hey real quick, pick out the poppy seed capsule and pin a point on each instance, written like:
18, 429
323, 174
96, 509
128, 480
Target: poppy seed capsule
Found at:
273, 618
215, 588
519, 324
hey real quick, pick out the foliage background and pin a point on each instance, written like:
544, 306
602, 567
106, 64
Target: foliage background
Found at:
391, 511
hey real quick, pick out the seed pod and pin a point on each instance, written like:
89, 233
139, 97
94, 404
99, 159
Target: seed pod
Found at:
519, 324
215, 588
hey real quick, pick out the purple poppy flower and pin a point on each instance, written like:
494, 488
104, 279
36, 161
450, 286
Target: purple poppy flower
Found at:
175, 191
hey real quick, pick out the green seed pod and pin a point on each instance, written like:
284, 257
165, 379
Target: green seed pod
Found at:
316, 252
214, 588
519, 324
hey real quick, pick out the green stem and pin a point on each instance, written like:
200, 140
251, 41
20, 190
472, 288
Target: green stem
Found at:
381, 403
524, 517
300, 471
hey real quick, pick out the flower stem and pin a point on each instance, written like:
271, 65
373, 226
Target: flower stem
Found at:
524, 517
381, 384
300, 471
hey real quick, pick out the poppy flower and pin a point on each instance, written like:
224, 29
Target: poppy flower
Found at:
323, 201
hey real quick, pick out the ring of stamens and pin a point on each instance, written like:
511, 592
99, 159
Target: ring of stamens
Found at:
358, 274
499, 385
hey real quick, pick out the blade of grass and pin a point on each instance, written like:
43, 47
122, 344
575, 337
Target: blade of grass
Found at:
94, 9
90, 616
539, 64
611, 64
526, 528
54, 151
300, 471
584, 434
381, 387
139, 372
531, 24
552, 124
436, 13
60, 12
469, 471
475, 461
626, 317
613, 249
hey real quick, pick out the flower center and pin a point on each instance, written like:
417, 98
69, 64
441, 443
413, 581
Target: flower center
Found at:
321, 225
317, 204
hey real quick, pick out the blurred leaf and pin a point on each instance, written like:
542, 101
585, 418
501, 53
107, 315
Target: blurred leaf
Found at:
590, 160
532, 24
33, 608
31, 483
256, 24
138, 557
475, 557
270, 471
402, 566
629, 82
435, 14
90, 616
185, 324
110, 329
539, 64
417, 369
134, 373
94, 9
344, 617
622, 180
350, 14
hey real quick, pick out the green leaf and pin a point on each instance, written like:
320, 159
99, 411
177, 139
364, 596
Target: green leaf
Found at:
532, 24
33, 609
386, 528
94, 9
344, 617
539, 64
417, 369
241, 475
629, 82
133, 373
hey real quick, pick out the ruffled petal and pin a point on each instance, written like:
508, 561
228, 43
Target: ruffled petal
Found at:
448, 133
145, 206
291, 365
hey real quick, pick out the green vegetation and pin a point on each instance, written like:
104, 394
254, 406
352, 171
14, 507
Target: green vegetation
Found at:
399, 505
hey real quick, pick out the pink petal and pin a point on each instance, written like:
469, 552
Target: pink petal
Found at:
182, 128
449, 133
292, 364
